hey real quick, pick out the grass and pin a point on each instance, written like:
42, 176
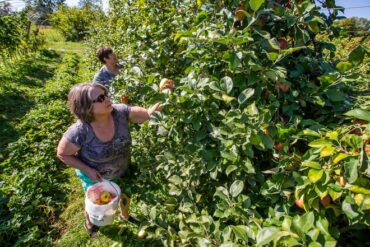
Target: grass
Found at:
54, 40
21, 80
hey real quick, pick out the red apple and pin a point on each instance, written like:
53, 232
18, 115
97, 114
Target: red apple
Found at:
124, 99
356, 131
325, 201
283, 87
283, 43
278, 146
166, 84
300, 202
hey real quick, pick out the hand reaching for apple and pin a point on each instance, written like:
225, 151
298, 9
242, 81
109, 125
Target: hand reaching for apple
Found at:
94, 175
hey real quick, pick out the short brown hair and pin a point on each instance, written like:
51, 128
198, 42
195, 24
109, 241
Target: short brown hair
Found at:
103, 52
80, 102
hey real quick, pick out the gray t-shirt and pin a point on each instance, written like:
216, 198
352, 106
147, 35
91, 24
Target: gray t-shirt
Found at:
103, 76
111, 158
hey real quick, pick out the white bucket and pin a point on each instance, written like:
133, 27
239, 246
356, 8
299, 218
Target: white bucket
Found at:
101, 215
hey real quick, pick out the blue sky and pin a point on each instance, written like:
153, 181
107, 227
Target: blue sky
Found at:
351, 12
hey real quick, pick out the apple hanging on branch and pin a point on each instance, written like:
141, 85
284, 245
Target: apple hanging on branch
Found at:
124, 99
283, 43
166, 85
300, 202
283, 87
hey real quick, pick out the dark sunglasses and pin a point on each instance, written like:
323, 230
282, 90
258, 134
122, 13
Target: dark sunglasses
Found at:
100, 98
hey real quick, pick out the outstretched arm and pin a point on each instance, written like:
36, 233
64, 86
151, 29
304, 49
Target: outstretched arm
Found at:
139, 114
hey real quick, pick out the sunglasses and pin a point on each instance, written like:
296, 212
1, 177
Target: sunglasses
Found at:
100, 98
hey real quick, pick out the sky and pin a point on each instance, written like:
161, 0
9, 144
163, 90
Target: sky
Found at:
364, 11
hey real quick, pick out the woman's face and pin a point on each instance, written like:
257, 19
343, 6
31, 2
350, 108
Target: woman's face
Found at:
101, 102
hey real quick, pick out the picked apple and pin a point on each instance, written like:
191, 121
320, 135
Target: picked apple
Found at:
165, 84
105, 197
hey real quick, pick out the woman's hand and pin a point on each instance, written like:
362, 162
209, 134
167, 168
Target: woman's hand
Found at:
139, 114
94, 175
155, 107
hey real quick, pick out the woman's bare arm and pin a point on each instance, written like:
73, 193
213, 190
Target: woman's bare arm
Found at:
66, 153
139, 114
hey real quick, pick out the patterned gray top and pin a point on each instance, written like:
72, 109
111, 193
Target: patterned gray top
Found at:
103, 76
111, 158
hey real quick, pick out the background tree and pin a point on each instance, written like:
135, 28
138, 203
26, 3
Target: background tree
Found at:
42, 8
354, 27
75, 23
5, 8
91, 3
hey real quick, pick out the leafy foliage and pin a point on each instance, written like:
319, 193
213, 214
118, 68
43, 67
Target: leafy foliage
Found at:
256, 121
75, 23
32, 194
17, 35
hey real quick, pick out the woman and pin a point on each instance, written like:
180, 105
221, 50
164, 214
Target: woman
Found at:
110, 67
98, 144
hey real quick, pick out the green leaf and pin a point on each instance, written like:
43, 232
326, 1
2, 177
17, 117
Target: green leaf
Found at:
274, 43
327, 151
230, 169
309, 132
359, 114
153, 213
314, 234
227, 84
304, 222
350, 170
320, 143
236, 188
245, 95
266, 235
314, 244
344, 66
339, 157
360, 190
315, 175
175, 180
335, 95
273, 56
312, 164
267, 141
333, 194
357, 55
348, 208
228, 155
256, 4
234, 61
241, 232
323, 225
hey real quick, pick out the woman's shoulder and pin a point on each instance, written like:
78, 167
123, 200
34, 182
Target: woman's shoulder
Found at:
78, 127
121, 109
